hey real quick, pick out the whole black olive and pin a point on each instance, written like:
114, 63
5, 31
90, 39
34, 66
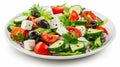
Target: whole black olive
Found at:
33, 34
42, 23
92, 24
35, 13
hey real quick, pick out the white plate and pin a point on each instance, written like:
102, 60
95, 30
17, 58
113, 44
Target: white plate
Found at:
109, 25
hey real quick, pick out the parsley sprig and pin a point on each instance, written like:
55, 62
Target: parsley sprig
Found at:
68, 38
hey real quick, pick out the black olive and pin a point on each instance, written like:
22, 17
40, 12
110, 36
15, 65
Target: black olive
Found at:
33, 34
42, 23
35, 13
92, 24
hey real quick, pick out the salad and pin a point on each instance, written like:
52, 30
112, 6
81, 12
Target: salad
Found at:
58, 30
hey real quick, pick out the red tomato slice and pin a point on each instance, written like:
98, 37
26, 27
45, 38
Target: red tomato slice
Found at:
57, 9
73, 15
73, 30
103, 29
17, 30
88, 15
49, 38
41, 48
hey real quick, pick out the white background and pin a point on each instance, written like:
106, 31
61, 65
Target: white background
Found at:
109, 57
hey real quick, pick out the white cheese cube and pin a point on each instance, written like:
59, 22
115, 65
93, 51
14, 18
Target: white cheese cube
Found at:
55, 23
27, 25
29, 44
61, 30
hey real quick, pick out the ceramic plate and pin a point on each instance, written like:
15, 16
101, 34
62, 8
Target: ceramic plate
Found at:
109, 25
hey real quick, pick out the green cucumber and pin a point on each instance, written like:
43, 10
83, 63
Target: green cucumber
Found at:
67, 47
57, 46
40, 30
20, 19
93, 34
80, 22
77, 8
77, 22
10, 27
80, 46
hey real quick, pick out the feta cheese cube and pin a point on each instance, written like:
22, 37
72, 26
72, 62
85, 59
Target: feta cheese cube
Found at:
55, 23
29, 44
61, 30
27, 25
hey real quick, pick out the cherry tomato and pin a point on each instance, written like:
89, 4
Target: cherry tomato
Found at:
17, 30
73, 15
35, 25
41, 48
102, 28
33, 19
73, 30
88, 15
49, 38
57, 9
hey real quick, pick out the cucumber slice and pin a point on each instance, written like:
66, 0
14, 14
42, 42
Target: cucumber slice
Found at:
80, 46
67, 47
40, 30
57, 46
20, 19
77, 8
93, 34
10, 27
80, 22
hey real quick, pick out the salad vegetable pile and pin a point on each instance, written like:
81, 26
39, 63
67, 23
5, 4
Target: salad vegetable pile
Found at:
58, 30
